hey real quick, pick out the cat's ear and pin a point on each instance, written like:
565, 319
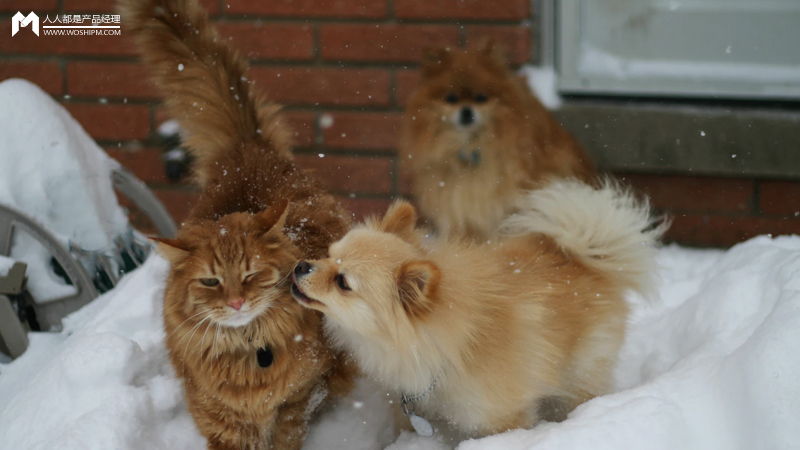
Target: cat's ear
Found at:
417, 283
434, 61
172, 249
400, 219
273, 218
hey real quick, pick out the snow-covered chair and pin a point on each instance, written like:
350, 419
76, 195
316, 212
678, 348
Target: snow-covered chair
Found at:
57, 188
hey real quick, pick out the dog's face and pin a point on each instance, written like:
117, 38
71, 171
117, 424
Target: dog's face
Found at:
375, 277
464, 97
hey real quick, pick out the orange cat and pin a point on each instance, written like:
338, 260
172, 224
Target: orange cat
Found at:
475, 137
254, 364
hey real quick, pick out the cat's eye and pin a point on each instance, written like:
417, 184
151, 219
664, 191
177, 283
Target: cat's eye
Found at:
480, 98
451, 98
209, 282
249, 278
341, 282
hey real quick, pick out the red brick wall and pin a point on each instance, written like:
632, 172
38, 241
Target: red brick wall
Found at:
354, 60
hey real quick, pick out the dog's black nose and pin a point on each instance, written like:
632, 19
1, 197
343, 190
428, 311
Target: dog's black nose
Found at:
467, 116
302, 268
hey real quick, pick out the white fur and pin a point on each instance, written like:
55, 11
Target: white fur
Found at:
607, 227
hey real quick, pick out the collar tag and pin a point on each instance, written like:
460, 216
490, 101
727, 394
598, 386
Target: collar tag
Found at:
420, 424
265, 356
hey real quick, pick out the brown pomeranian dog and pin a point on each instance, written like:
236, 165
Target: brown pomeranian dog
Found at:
254, 363
495, 336
474, 137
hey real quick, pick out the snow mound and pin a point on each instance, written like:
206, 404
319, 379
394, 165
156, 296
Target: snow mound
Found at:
543, 82
712, 364
59, 176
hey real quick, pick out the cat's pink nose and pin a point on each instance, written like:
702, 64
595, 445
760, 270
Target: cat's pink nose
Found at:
236, 303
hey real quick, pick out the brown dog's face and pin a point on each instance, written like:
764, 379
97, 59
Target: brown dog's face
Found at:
374, 278
463, 98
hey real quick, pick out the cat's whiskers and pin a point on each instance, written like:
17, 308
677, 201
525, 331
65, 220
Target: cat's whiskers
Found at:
188, 319
214, 345
203, 339
195, 328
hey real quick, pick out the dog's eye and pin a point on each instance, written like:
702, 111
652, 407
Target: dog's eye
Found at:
341, 282
451, 98
210, 282
480, 98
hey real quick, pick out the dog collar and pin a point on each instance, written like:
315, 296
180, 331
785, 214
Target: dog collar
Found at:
472, 158
265, 356
407, 405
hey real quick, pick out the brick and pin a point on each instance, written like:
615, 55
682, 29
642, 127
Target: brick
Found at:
310, 8
384, 42
112, 122
324, 86
28, 6
515, 40
722, 231
406, 82
146, 163
47, 75
109, 79
25, 42
350, 174
779, 197
377, 131
698, 194
267, 40
462, 9
303, 128
364, 207
107, 6
406, 181
179, 203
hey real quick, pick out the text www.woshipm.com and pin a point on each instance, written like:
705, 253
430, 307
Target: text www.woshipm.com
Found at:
89, 32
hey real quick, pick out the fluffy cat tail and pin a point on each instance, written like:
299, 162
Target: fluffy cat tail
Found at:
203, 81
606, 227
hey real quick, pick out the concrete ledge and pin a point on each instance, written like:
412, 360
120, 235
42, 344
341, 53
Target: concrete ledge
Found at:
646, 138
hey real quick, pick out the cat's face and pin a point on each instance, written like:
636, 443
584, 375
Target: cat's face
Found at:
233, 269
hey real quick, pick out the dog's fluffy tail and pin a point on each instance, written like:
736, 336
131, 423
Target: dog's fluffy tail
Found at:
203, 81
606, 227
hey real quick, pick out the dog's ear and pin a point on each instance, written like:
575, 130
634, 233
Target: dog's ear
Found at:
400, 219
417, 283
493, 51
272, 218
172, 249
434, 61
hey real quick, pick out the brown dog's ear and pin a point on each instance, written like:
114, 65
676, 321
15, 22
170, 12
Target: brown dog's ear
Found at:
417, 282
434, 61
493, 50
400, 219
273, 218
172, 249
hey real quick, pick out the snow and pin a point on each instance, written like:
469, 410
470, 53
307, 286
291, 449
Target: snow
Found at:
595, 61
543, 82
710, 362
59, 176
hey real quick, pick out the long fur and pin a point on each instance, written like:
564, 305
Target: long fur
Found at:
242, 234
523, 328
519, 144
203, 80
607, 226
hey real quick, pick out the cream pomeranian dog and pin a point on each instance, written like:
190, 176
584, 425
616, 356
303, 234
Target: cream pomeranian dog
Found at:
495, 336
